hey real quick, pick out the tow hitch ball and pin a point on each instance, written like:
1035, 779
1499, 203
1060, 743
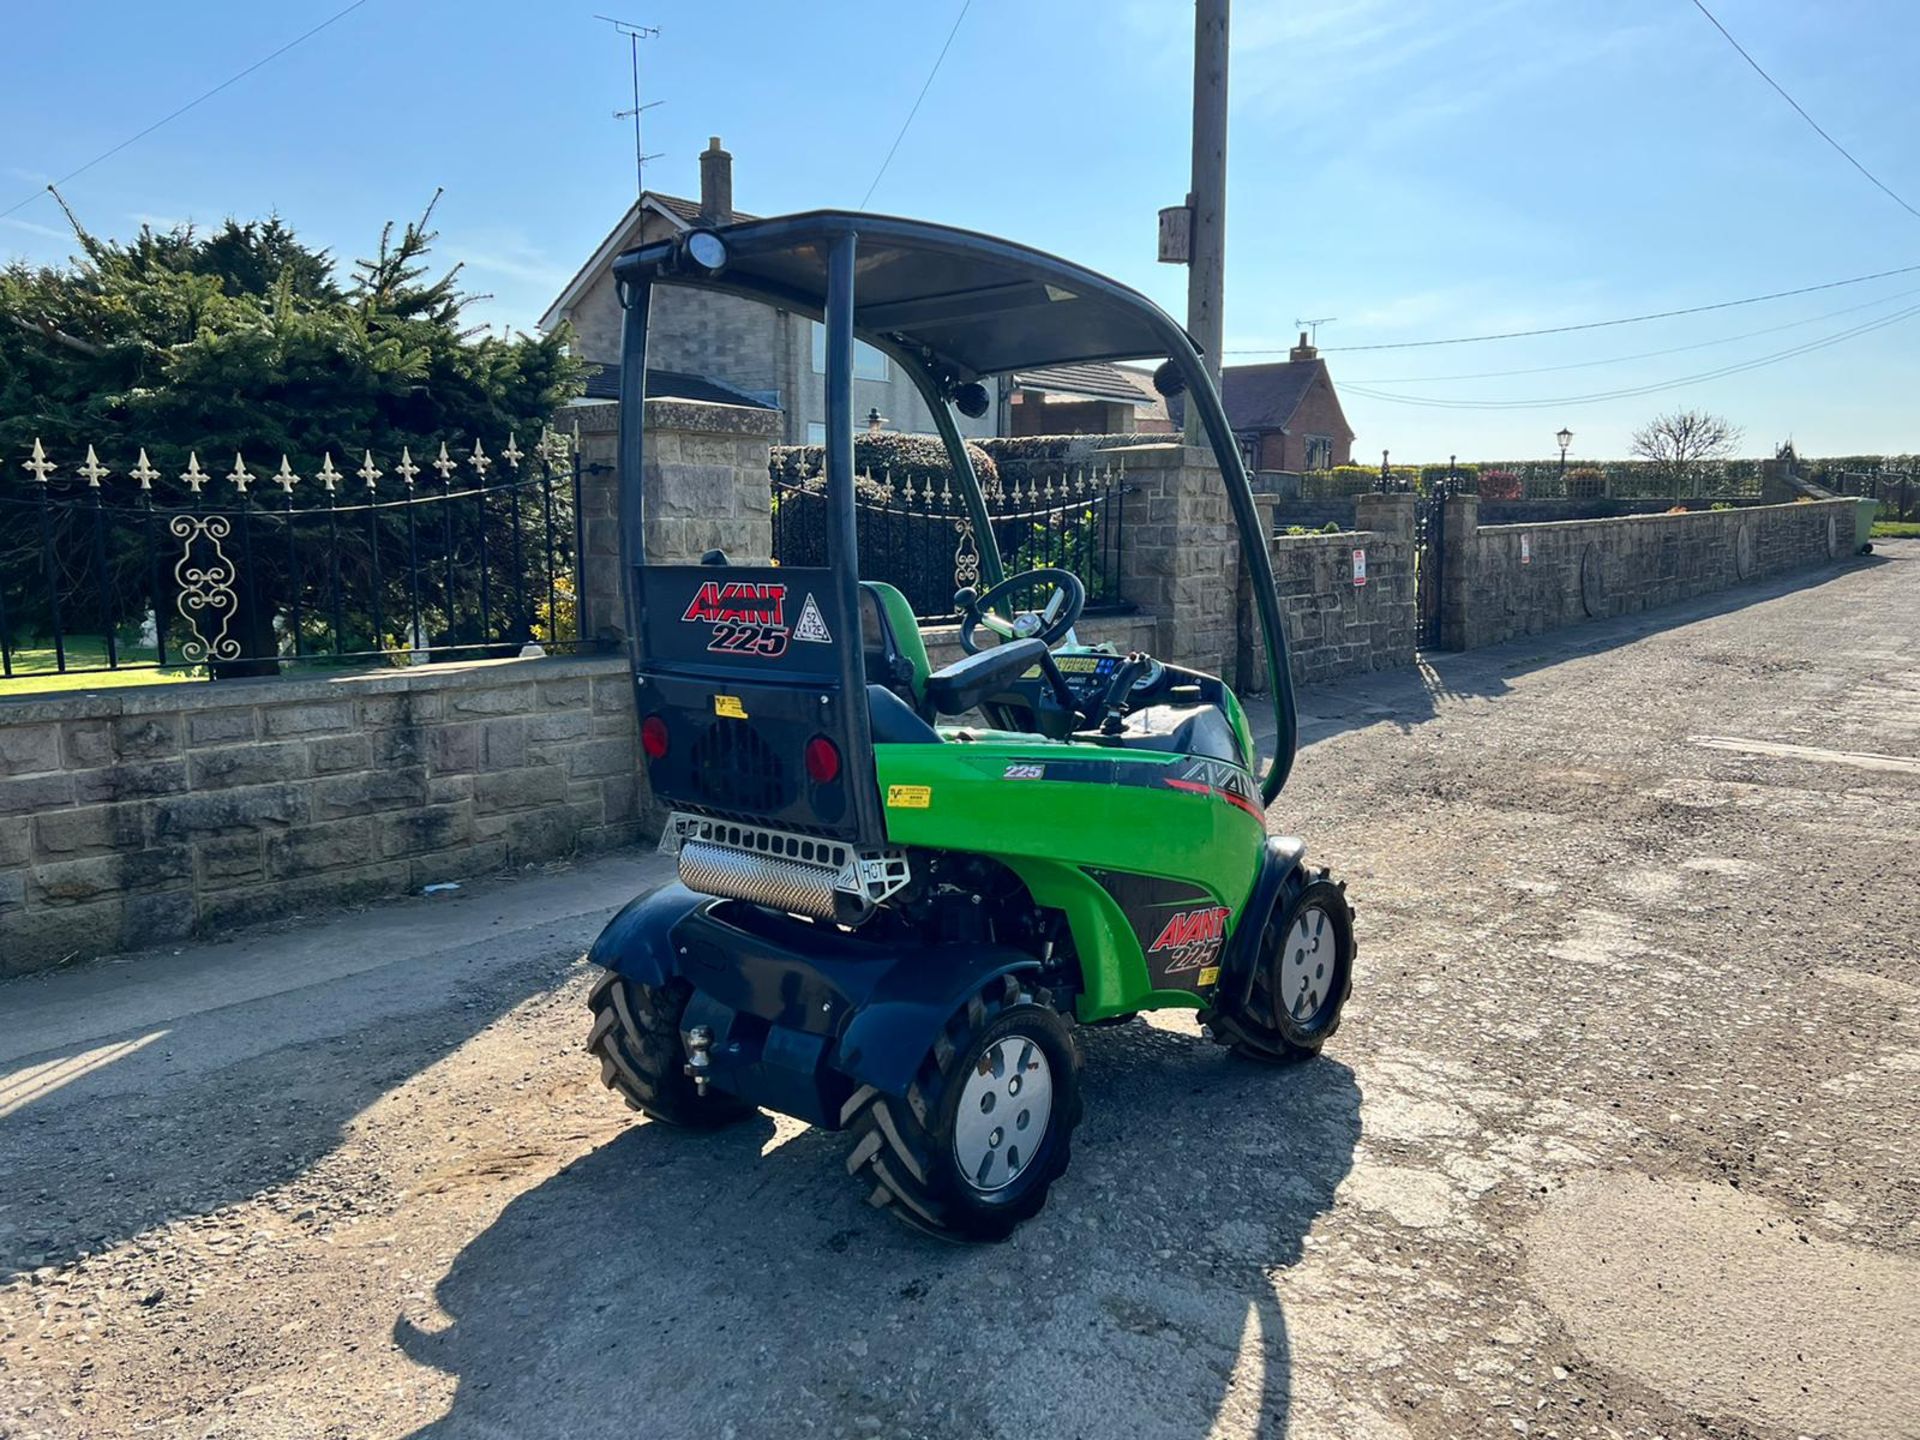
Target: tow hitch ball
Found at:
700, 1057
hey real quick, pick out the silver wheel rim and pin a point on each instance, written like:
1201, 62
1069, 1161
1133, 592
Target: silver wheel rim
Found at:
1307, 957
1004, 1109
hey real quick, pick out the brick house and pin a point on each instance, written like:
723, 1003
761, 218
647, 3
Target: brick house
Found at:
770, 357
1286, 415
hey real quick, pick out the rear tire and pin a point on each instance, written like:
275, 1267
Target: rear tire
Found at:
999, 1055
1302, 976
636, 1034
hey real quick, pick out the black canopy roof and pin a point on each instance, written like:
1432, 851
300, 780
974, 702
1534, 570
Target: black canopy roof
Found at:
980, 305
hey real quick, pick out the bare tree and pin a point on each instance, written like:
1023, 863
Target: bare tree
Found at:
1683, 440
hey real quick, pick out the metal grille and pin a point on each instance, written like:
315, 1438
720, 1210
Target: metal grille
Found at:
735, 769
799, 874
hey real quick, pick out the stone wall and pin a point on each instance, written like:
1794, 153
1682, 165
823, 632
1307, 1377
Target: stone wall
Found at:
1180, 558
706, 489
1335, 627
1509, 580
144, 815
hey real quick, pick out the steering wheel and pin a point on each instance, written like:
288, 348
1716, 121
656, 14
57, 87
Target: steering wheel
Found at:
1049, 624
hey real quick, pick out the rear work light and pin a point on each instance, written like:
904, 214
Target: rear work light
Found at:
653, 737
823, 760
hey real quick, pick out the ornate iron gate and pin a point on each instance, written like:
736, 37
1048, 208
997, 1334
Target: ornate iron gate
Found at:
1429, 552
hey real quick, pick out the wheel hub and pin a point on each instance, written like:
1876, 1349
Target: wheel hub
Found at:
1307, 965
1004, 1109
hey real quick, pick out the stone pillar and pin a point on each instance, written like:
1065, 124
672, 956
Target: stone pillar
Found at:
1180, 554
1459, 567
706, 489
1391, 516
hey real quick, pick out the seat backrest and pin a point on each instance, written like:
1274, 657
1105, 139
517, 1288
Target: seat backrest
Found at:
889, 633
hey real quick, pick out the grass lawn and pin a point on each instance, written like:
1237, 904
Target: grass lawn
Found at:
1896, 529
36, 670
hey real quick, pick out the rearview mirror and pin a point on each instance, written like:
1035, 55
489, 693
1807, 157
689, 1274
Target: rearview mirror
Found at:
1168, 380
971, 399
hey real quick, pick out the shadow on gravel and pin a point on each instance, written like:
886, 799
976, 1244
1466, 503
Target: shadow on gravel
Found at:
105, 1139
676, 1284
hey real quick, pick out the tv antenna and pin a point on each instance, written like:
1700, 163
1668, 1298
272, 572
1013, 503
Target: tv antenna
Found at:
635, 34
1313, 327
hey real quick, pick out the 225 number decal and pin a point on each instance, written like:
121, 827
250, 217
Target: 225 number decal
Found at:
769, 641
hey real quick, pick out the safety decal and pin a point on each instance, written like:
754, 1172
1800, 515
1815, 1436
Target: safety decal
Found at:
812, 625
1021, 770
728, 707
748, 618
909, 797
1191, 939
1227, 782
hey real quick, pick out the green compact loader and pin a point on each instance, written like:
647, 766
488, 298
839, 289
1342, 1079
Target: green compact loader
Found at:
901, 888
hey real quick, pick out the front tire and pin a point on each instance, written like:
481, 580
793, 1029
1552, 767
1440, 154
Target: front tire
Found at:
636, 1034
985, 1128
1302, 976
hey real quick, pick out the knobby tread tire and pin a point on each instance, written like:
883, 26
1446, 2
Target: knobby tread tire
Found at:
1266, 1032
902, 1148
636, 1034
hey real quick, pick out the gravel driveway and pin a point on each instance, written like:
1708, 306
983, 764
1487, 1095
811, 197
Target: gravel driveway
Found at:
1618, 1139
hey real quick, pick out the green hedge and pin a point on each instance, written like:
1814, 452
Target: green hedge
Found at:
884, 458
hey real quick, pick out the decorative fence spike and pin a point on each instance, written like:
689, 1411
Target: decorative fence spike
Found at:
193, 477
39, 466
240, 475
406, 469
513, 452
446, 465
479, 460
370, 472
327, 474
143, 472
285, 478
93, 470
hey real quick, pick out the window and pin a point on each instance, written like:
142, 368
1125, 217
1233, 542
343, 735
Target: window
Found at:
868, 363
816, 432
1319, 452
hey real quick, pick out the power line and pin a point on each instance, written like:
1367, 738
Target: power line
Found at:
1801, 111
1599, 324
1629, 392
968, 5
1642, 355
332, 19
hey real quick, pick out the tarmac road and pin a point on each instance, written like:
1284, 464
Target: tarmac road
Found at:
1618, 1139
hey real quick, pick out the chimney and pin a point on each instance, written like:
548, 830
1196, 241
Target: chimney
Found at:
1303, 351
716, 184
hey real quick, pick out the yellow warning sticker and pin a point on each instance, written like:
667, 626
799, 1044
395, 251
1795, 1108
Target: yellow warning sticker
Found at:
909, 797
1209, 975
728, 707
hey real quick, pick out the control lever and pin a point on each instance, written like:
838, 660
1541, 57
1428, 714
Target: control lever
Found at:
1113, 704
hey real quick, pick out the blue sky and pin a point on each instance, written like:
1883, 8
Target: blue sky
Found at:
1417, 168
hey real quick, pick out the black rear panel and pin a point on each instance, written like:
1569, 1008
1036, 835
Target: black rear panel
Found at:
741, 664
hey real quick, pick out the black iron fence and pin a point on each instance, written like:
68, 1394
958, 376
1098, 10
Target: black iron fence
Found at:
242, 572
916, 534
1899, 495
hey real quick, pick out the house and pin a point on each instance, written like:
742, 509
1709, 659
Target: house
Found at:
731, 345
1092, 398
1286, 415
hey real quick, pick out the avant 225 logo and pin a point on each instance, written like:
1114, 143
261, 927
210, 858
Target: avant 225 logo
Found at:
1192, 938
747, 618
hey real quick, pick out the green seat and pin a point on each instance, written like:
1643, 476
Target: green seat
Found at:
896, 654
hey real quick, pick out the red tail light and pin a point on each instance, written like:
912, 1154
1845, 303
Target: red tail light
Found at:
823, 760
653, 737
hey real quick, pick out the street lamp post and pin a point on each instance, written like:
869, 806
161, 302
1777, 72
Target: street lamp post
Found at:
1565, 437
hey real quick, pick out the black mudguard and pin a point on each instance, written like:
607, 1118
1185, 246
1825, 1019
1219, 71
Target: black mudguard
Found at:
802, 1015
1282, 871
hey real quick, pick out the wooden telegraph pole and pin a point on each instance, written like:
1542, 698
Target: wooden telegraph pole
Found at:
1207, 201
